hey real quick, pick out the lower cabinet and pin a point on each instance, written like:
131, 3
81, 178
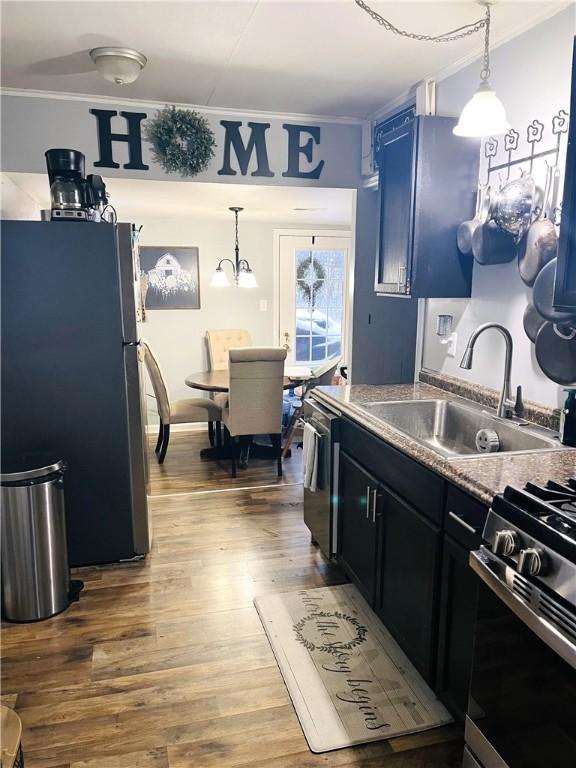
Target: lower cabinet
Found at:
456, 631
408, 581
405, 535
358, 525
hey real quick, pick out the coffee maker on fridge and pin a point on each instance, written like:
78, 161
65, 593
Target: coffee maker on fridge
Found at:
73, 196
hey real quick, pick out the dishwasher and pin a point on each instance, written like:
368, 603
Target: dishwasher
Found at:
321, 505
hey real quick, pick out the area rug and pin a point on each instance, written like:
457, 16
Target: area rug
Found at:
349, 681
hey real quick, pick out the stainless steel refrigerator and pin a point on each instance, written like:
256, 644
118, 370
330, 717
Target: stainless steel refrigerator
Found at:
72, 379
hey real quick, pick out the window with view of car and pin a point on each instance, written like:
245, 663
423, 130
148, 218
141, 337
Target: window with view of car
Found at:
319, 304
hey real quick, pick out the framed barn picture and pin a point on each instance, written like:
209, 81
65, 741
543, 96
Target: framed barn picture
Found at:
170, 277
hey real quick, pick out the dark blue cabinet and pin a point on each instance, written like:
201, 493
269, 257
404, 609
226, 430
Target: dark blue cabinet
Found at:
427, 181
565, 287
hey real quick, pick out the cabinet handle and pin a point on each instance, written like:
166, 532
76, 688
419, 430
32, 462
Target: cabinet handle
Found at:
368, 493
374, 505
463, 523
401, 276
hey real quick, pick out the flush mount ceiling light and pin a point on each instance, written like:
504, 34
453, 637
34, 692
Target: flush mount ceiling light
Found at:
118, 65
241, 271
484, 114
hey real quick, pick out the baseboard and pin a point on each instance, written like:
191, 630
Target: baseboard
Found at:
152, 429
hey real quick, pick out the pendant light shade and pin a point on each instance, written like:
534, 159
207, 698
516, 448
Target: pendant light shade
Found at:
247, 279
219, 279
483, 115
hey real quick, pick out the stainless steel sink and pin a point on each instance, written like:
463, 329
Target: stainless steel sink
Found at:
450, 427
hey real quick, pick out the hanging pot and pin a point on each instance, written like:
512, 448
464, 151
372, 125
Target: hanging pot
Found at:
540, 244
532, 322
556, 353
491, 245
543, 296
484, 203
515, 205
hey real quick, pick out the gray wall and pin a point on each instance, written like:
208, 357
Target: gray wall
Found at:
32, 124
531, 74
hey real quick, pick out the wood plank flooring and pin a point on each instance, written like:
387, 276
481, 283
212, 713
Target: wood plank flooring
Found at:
164, 663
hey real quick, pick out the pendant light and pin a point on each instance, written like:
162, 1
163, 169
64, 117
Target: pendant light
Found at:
484, 114
242, 273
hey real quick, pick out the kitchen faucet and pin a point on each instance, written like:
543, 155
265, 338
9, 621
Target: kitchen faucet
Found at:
507, 408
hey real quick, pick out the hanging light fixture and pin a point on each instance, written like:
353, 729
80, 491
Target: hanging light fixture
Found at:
484, 114
241, 271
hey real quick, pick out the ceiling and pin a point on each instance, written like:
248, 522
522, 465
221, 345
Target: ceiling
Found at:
315, 57
139, 198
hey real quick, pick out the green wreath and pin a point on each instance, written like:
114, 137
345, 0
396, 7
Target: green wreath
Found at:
181, 139
309, 289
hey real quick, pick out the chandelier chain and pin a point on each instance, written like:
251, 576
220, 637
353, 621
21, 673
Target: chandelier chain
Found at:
447, 37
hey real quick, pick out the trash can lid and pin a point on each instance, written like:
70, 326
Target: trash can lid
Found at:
30, 466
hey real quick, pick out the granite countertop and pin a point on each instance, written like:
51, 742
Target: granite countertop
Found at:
482, 477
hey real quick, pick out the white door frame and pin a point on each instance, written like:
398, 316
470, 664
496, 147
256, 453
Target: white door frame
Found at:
349, 285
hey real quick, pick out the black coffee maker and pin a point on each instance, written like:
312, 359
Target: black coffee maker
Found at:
73, 197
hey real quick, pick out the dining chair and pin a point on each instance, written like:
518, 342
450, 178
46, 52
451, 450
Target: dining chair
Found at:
192, 410
255, 397
323, 375
221, 341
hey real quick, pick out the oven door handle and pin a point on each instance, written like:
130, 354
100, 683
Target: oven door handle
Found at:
479, 562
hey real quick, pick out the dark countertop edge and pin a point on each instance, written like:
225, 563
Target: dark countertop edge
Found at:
405, 444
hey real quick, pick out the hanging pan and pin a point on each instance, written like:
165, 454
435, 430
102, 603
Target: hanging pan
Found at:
540, 243
466, 229
532, 322
543, 297
556, 353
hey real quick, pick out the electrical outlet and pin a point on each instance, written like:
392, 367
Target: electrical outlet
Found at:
451, 344
263, 305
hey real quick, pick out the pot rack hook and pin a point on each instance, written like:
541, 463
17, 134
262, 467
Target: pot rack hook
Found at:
490, 151
510, 145
560, 123
534, 136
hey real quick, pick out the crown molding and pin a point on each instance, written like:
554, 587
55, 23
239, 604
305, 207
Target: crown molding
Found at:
216, 111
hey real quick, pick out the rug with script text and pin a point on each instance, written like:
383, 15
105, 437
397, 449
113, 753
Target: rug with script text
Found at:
349, 681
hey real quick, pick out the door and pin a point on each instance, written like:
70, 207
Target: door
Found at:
312, 291
395, 157
359, 517
408, 580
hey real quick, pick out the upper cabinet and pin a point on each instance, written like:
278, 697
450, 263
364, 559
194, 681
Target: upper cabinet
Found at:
565, 288
427, 184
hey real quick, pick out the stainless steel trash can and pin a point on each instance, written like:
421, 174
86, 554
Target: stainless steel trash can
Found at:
35, 571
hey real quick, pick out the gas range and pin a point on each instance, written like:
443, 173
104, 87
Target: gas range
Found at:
522, 700
530, 548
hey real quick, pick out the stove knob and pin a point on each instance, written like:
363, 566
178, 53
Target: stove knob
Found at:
532, 562
505, 543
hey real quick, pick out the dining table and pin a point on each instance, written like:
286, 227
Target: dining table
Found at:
219, 381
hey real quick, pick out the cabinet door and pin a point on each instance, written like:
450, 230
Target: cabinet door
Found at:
358, 522
396, 182
408, 579
565, 287
456, 634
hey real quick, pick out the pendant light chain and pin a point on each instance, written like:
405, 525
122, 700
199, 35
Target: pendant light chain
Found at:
447, 37
485, 74
237, 244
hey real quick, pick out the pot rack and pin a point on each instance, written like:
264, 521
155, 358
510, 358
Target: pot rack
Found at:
534, 134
